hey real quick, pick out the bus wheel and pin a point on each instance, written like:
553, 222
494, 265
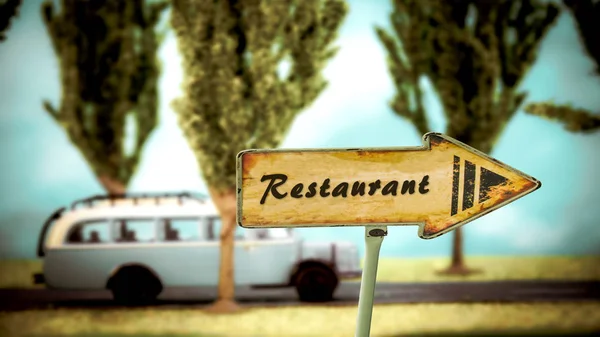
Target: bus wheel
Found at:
316, 284
134, 285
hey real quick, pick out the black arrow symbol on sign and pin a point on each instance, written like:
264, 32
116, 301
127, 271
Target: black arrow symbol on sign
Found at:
487, 180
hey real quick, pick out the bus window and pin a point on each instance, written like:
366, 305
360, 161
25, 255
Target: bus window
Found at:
181, 229
95, 231
214, 230
135, 230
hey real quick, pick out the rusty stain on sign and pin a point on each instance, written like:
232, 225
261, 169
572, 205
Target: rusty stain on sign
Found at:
439, 186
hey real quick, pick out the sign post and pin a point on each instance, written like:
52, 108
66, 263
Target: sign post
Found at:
373, 240
439, 186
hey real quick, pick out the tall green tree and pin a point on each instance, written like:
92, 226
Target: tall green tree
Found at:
109, 72
236, 97
8, 10
587, 17
475, 53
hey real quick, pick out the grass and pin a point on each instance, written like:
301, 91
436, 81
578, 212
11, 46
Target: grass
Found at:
492, 268
17, 273
388, 321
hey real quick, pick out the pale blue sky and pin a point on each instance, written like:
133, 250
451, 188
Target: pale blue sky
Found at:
42, 171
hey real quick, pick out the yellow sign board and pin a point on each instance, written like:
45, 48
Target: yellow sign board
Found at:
439, 186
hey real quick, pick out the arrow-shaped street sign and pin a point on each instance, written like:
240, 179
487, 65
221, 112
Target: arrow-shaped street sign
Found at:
439, 186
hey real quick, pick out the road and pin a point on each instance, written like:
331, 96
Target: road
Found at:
346, 294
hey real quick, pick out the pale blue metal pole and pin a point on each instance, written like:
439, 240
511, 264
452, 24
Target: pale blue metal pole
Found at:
373, 238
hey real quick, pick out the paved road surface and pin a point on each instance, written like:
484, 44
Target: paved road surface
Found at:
347, 294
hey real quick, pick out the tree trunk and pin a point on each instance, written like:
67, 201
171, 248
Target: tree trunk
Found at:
457, 264
111, 185
226, 204
457, 249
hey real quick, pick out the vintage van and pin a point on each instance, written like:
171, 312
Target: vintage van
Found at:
136, 245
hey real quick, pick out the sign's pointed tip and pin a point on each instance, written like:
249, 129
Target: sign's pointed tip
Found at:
537, 183
480, 184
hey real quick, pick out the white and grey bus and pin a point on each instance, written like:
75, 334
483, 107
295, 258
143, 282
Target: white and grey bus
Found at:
137, 245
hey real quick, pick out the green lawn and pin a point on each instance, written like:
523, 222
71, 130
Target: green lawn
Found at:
388, 320
306, 321
492, 268
18, 273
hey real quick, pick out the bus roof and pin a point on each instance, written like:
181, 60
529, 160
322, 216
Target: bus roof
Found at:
145, 206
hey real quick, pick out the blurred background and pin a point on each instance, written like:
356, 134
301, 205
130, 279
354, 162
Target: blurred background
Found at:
42, 170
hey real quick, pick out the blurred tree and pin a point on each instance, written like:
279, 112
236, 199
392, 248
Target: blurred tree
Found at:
475, 53
587, 17
8, 9
236, 96
109, 72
